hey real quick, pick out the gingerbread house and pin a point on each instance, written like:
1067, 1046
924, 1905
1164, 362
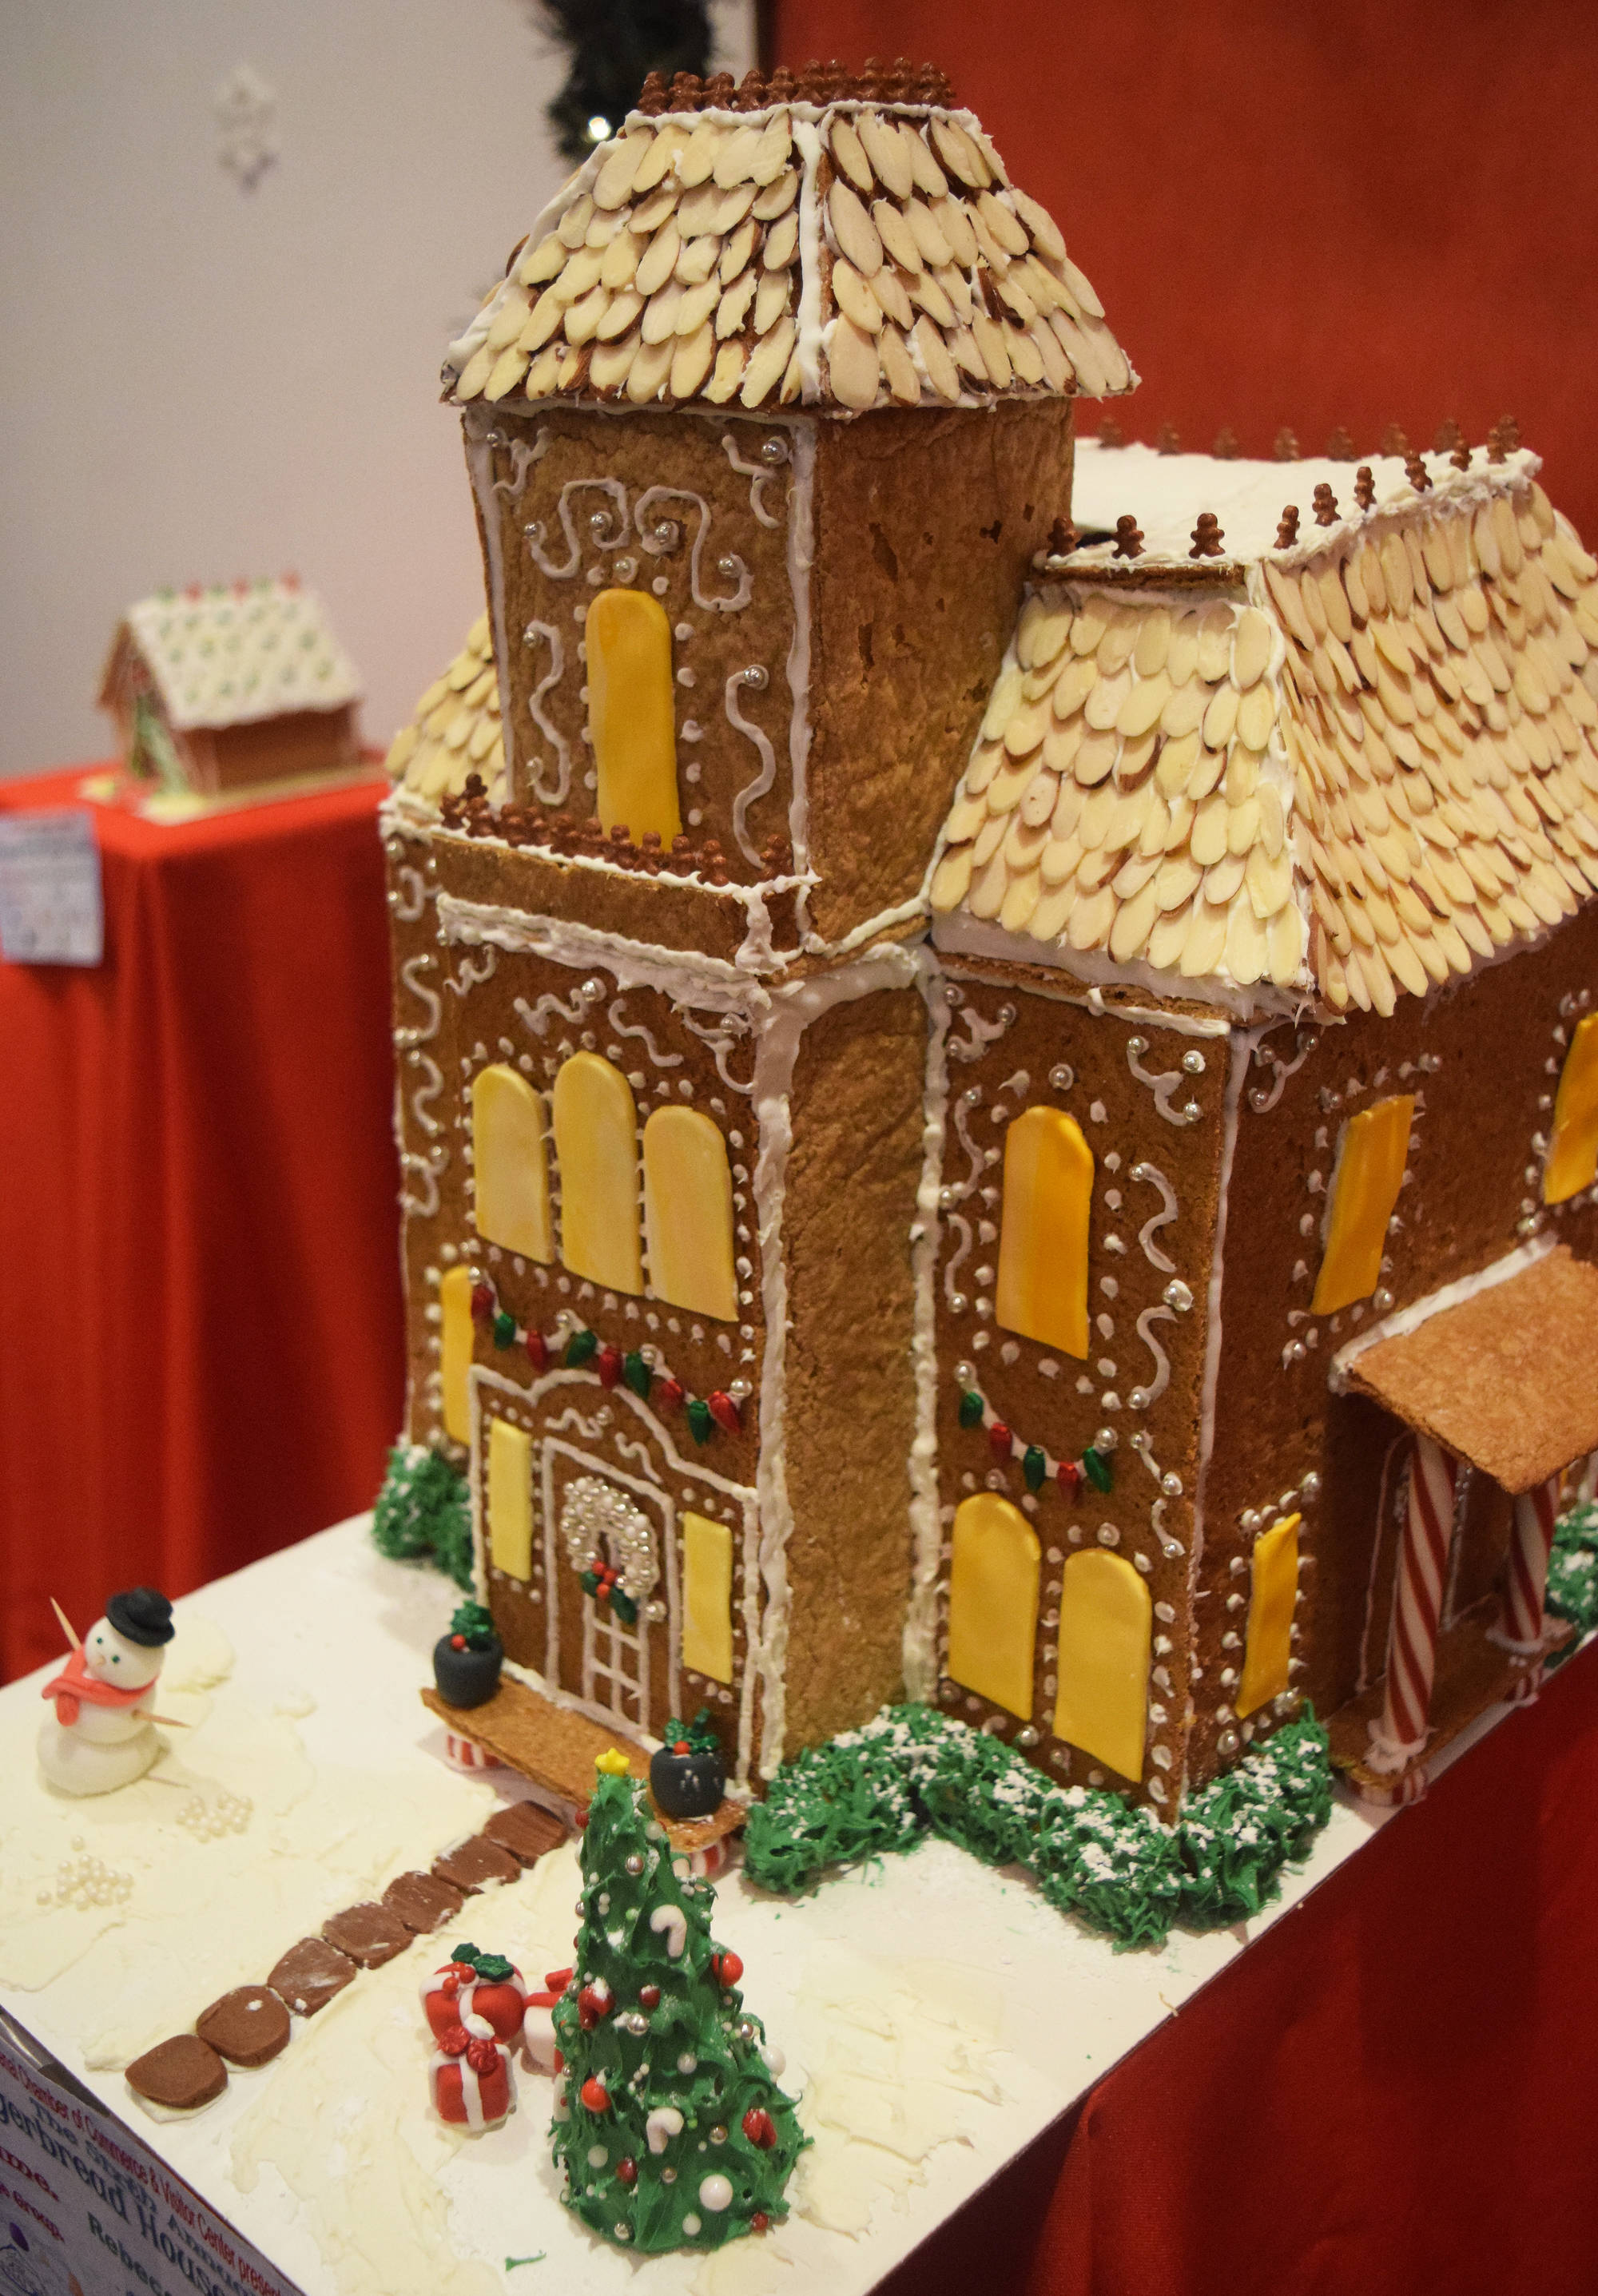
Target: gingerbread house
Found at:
765, 425
1011, 1158
220, 689
1265, 916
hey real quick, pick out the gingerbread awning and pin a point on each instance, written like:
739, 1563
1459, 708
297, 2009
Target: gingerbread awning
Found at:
1507, 1379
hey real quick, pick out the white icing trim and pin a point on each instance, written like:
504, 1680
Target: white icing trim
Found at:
1091, 999
519, 928
552, 734
809, 331
659, 540
613, 540
759, 476
429, 998
926, 1529
688, 978
755, 678
963, 936
800, 552
1152, 1177
1406, 1320
858, 936
1243, 1053
475, 428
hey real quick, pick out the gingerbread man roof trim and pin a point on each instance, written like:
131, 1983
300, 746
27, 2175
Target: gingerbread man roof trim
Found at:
840, 255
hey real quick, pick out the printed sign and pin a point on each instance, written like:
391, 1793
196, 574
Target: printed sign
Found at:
87, 2208
51, 911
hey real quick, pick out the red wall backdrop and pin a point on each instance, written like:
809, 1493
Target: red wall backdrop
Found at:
1357, 212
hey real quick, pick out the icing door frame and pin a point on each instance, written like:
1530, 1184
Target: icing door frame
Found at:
619, 1641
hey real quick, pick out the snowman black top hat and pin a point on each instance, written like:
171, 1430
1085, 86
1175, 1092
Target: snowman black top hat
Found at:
142, 1614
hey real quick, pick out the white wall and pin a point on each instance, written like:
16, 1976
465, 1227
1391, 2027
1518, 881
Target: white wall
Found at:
198, 381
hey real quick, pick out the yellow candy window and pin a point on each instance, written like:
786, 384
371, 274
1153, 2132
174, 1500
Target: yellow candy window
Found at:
632, 713
1365, 1194
707, 1597
1275, 1591
510, 1163
1042, 1237
1106, 1620
455, 1352
1573, 1150
992, 1602
596, 1142
509, 1499
688, 1213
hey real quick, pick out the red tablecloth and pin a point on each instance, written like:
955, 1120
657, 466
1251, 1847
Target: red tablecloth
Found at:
201, 1352
1395, 2092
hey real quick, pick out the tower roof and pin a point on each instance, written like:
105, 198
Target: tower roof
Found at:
1339, 770
840, 254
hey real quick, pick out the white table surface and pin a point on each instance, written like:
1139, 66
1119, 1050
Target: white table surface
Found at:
937, 2016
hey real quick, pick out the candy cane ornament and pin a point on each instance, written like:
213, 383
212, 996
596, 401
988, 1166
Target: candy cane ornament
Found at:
1525, 1570
1400, 1734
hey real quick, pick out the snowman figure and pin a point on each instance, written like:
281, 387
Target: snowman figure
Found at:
98, 1734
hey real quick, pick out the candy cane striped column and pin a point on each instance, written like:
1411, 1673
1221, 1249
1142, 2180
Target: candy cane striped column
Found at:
1525, 1572
1417, 1607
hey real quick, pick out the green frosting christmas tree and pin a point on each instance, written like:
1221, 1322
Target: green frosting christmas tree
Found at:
668, 2121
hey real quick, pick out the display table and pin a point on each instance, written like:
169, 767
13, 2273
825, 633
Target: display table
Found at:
201, 1352
1388, 2081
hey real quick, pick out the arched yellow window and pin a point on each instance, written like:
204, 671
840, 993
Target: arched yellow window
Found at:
1043, 1240
596, 1141
1105, 1623
1573, 1148
1365, 1191
510, 1163
688, 1213
1274, 1591
992, 1602
455, 1352
707, 1596
632, 713
510, 1498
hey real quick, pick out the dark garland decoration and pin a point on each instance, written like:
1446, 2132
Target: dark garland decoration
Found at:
614, 45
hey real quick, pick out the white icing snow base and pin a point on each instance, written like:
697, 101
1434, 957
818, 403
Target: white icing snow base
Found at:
312, 1773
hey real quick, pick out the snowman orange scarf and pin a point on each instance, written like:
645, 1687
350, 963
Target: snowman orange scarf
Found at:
75, 1687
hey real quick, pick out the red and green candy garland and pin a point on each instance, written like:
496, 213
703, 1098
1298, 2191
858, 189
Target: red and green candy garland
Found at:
1038, 1467
670, 2125
615, 1368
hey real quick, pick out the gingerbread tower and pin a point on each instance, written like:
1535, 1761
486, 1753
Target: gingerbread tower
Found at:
765, 425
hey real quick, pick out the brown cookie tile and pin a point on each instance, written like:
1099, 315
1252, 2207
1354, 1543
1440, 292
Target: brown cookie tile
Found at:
310, 1974
475, 1864
179, 2075
526, 1831
248, 2026
423, 1901
369, 1934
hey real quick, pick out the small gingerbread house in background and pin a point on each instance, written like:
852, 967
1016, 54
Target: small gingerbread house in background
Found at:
765, 425
218, 689
1265, 909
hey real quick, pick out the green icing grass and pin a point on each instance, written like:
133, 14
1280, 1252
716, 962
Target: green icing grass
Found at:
1573, 1578
424, 1510
913, 1771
